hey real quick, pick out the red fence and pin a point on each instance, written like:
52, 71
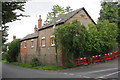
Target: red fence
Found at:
96, 58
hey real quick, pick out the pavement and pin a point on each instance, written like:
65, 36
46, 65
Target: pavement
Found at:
100, 70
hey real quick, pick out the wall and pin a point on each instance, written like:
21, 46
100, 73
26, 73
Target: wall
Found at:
26, 54
47, 53
84, 20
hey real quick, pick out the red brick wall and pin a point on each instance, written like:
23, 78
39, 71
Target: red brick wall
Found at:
22, 49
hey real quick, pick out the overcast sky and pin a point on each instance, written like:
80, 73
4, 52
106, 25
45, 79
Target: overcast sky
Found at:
34, 8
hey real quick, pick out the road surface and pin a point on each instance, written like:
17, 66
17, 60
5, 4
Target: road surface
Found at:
103, 70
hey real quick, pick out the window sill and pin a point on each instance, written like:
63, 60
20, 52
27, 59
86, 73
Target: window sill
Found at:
32, 47
43, 46
53, 45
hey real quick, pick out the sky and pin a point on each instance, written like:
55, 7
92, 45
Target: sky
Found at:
34, 8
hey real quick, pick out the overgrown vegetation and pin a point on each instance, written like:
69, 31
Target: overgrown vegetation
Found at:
75, 40
35, 62
111, 11
13, 51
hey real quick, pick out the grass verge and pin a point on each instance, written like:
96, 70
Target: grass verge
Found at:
42, 67
4, 61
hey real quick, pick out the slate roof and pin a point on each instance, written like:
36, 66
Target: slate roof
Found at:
59, 20
30, 36
63, 18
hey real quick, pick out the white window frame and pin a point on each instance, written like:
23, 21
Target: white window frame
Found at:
52, 36
25, 45
43, 38
32, 43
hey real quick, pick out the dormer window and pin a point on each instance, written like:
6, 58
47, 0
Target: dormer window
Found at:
43, 42
52, 41
25, 45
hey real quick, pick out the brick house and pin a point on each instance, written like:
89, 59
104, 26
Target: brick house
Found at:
40, 44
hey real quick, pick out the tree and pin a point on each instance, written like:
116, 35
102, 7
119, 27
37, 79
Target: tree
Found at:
13, 51
118, 38
10, 14
76, 41
106, 34
111, 11
56, 11
68, 9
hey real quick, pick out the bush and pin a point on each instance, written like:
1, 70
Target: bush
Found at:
13, 51
35, 62
75, 40
69, 64
4, 56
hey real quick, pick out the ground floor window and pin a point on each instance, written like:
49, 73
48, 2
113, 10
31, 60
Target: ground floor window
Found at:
43, 42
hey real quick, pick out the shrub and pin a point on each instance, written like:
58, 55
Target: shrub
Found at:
75, 40
4, 56
35, 62
13, 51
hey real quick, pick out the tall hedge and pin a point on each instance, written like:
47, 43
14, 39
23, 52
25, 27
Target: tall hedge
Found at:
13, 50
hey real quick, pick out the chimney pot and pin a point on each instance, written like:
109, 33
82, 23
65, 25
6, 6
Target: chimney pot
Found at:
14, 37
35, 29
39, 22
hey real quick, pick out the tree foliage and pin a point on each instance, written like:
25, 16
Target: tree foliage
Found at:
56, 11
13, 51
111, 11
76, 41
118, 38
9, 14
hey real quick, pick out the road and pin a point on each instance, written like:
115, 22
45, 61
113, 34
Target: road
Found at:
103, 70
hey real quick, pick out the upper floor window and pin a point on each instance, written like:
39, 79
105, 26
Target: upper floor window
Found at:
32, 43
43, 42
52, 41
25, 45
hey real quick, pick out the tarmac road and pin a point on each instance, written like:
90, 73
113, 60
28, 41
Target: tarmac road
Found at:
102, 70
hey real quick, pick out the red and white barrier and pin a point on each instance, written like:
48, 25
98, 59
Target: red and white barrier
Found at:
96, 58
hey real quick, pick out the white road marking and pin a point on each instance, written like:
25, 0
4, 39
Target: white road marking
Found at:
109, 74
82, 76
71, 74
65, 73
86, 77
101, 70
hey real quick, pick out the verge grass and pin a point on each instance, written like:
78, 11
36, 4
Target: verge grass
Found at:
41, 67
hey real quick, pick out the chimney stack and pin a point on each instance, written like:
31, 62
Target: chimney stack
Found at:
14, 37
35, 29
39, 22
